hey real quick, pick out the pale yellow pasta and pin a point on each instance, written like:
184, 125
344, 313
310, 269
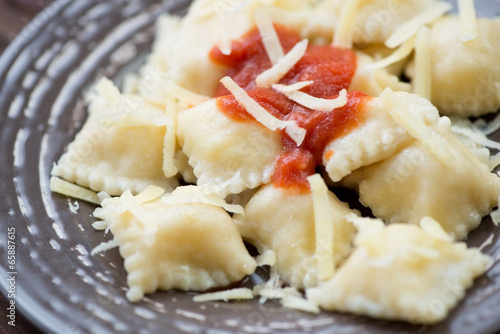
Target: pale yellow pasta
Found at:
372, 81
250, 179
120, 146
206, 25
376, 20
175, 246
414, 183
275, 219
465, 75
401, 273
376, 138
226, 155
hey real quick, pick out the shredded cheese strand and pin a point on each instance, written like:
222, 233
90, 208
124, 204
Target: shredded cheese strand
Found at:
433, 228
284, 64
410, 28
233, 294
72, 190
494, 162
344, 30
296, 86
401, 53
300, 304
104, 246
324, 227
423, 79
468, 20
476, 137
312, 102
262, 115
415, 127
200, 195
269, 36
169, 141
150, 193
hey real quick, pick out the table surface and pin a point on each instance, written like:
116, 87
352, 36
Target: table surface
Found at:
14, 16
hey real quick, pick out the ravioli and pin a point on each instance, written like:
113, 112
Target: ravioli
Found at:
373, 81
207, 23
175, 244
465, 76
376, 138
275, 219
120, 146
255, 106
401, 273
227, 155
376, 20
415, 182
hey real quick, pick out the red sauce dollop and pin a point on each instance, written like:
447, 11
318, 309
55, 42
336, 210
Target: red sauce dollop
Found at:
330, 68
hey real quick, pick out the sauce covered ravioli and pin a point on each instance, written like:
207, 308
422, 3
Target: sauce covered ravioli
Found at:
273, 101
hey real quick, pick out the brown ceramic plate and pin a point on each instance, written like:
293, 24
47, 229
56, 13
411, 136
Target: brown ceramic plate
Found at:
63, 289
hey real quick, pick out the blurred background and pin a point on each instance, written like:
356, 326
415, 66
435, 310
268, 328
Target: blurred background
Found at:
15, 15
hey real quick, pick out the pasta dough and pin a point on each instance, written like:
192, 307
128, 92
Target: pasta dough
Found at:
227, 155
465, 76
175, 246
376, 138
401, 273
120, 146
376, 20
414, 183
277, 220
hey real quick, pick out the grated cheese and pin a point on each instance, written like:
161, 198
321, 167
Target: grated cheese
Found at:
312, 102
410, 28
432, 227
486, 243
476, 136
104, 246
278, 292
296, 86
132, 205
488, 128
415, 127
72, 190
269, 36
284, 64
494, 161
74, 207
468, 21
233, 294
344, 30
323, 225
423, 77
100, 225
495, 215
262, 115
300, 304
102, 195
169, 141
401, 53
149, 194
195, 194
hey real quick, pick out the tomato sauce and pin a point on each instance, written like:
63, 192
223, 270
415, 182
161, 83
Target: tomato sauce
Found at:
330, 68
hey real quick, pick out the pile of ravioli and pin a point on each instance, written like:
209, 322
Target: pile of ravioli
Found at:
182, 186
